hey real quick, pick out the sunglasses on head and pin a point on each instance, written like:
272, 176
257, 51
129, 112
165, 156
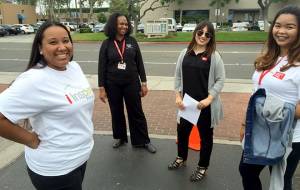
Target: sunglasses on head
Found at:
206, 34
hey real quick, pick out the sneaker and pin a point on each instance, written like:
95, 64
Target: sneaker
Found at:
118, 143
150, 147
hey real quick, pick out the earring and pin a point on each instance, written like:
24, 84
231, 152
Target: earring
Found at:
41, 52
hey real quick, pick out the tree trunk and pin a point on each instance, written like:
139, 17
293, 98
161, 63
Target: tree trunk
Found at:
80, 11
180, 16
90, 15
51, 10
264, 5
69, 8
266, 23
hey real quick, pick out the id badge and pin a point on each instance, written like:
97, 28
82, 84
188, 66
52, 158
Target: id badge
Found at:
122, 65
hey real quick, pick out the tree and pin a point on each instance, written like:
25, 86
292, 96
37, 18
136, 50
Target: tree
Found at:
264, 6
92, 4
139, 8
51, 10
118, 6
80, 11
101, 17
27, 2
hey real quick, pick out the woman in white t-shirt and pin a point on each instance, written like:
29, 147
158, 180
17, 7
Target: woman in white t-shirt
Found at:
278, 73
293, 159
57, 100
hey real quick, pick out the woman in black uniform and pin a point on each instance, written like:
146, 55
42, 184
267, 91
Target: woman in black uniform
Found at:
121, 75
200, 74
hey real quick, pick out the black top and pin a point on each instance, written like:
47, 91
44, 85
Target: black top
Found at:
195, 72
109, 59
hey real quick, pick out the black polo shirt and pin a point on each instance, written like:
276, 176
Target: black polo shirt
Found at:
109, 59
195, 73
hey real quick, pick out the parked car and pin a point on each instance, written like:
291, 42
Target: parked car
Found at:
11, 30
189, 27
141, 28
99, 27
25, 28
261, 25
39, 23
35, 27
2, 31
240, 26
178, 27
71, 25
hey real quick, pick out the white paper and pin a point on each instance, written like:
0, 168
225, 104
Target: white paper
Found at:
190, 113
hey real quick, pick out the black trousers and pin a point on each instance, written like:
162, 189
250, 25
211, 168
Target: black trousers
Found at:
70, 181
206, 134
250, 175
292, 163
117, 92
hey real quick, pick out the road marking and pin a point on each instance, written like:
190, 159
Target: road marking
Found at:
146, 51
20, 60
146, 62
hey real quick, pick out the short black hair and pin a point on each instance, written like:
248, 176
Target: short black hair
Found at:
35, 56
110, 29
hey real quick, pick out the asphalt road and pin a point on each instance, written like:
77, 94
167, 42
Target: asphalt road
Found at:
159, 59
130, 168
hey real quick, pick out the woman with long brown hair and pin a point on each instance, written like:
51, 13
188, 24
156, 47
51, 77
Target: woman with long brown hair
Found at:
276, 82
199, 73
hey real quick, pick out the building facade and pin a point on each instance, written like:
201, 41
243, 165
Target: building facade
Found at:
197, 10
17, 14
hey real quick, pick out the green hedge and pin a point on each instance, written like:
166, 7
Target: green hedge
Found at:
85, 30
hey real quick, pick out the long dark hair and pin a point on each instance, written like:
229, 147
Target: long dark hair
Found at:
35, 56
211, 46
110, 29
271, 50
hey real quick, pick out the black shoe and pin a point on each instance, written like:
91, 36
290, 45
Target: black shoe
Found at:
118, 143
198, 174
150, 147
177, 163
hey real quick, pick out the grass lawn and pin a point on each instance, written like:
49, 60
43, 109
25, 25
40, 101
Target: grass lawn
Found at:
182, 37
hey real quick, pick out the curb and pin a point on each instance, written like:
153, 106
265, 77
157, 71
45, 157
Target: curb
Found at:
9, 152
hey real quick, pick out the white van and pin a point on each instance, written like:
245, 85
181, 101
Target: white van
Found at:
171, 24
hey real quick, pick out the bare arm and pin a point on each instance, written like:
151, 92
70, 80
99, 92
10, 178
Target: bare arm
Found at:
178, 101
297, 111
17, 134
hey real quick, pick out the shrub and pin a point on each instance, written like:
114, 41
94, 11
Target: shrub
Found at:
85, 30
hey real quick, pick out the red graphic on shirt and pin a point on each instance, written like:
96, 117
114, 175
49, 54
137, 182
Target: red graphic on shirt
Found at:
69, 99
204, 58
279, 75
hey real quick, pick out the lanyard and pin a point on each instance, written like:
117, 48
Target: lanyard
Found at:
263, 74
121, 52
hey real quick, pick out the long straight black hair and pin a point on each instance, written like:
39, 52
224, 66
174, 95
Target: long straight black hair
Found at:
35, 56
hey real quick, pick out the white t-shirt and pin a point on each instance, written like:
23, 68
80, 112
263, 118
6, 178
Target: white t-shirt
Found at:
284, 85
296, 135
59, 105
